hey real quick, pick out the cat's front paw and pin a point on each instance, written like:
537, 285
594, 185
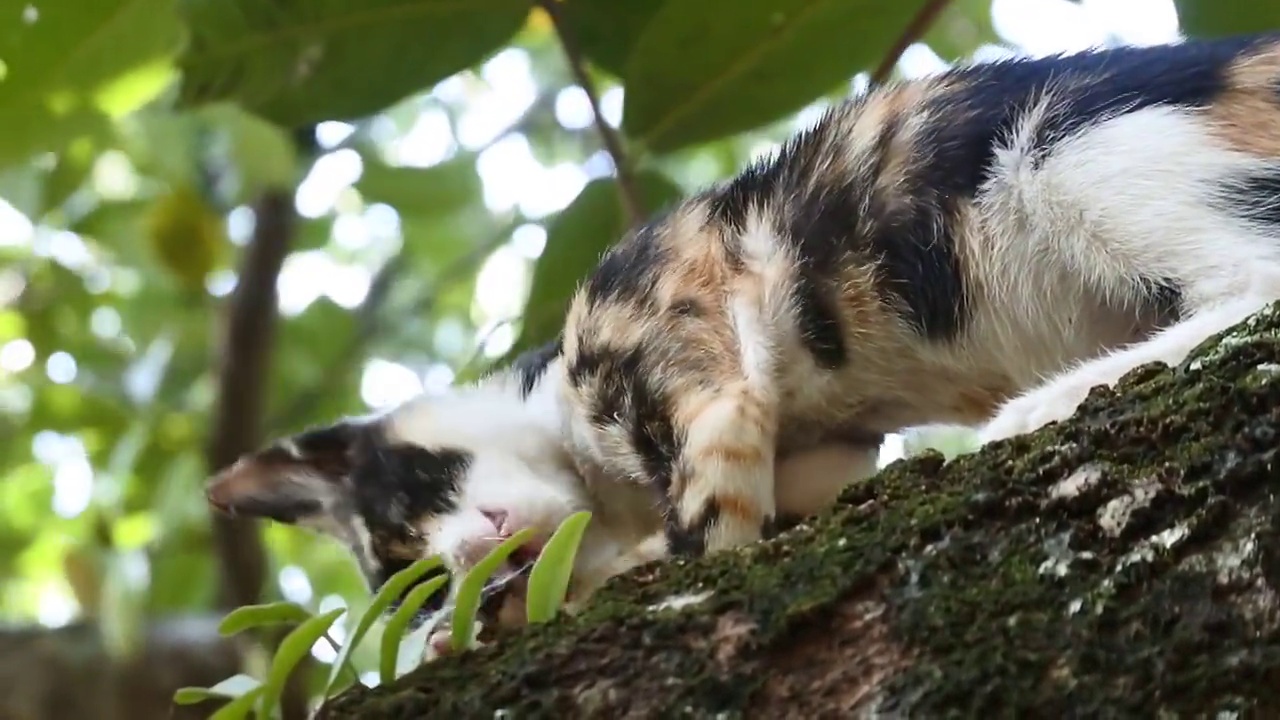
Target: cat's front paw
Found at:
1027, 413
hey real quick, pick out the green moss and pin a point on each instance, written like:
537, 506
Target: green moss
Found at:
1005, 596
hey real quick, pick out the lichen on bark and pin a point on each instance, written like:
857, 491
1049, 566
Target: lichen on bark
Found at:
1124, 562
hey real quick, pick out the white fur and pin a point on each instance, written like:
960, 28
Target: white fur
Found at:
1129, 197
522, 468
519, 465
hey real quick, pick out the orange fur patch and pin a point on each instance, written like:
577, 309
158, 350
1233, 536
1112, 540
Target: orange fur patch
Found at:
1246, 116
739, 507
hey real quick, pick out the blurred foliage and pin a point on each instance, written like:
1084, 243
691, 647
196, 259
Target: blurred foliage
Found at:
451, 193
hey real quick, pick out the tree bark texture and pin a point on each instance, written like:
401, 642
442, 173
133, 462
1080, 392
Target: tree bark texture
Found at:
1123, 563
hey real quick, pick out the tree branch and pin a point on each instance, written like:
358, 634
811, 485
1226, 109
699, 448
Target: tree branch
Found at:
237, 416
628, 190
245, 358
918, 26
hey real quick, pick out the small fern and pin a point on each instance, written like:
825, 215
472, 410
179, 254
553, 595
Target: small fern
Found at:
248, 696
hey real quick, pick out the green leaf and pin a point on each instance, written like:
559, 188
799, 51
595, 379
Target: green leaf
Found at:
399, 621
117, 225
699, 73
1219, 18
576, 239
292, 649
549, 580
439, 189
333, 59
393, 588
22, 186
467, 601
252, 616
70, 172
240, 707
68, 65
233, 687
262, 155
606, 30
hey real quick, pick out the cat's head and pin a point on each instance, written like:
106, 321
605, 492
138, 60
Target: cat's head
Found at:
451, 475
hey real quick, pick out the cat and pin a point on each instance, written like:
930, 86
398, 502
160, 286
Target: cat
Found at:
981, 247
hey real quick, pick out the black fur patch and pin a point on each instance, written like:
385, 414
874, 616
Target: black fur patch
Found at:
686, 307
691, 541
781, 524
1254, 198
652, 432
395, 485
971, 121
328, 449
629, 270
820, 226
531, 365
627, 394
1165, 297
916, 249
390, 487
730, 205
818, 319
831, 220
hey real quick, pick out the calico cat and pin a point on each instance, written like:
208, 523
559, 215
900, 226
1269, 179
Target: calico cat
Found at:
982, 247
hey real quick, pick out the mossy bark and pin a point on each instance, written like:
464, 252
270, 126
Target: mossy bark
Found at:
1123, 563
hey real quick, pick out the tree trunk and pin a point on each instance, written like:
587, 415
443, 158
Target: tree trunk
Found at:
1123, 563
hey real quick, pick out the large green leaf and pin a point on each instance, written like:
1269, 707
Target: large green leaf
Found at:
292, 649
471, 587
22, 186
301, 61
442, 188
163, 144
252, 616
392, 589
262, 156
68, 65
606, 30
1218, 18
699, 72
232, 687
576, 239
549, 580
398, 623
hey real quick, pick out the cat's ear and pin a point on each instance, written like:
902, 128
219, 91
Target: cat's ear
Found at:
299, 480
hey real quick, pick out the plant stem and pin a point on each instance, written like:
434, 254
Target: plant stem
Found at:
918, 26
628, 191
